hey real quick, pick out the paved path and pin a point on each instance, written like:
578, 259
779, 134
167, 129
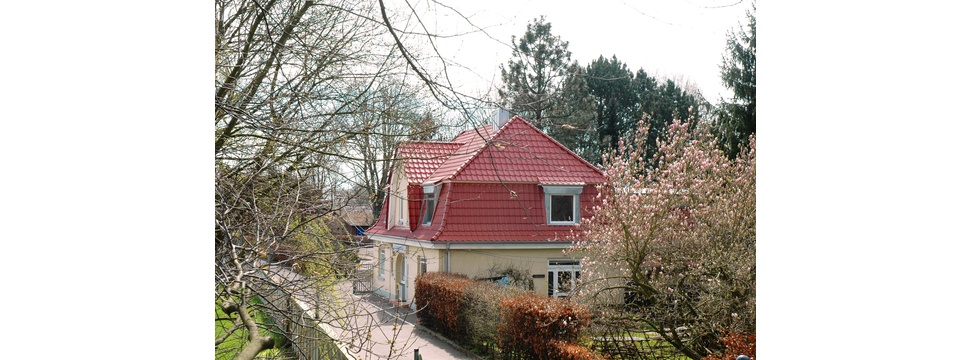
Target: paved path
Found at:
397, 325
372, 327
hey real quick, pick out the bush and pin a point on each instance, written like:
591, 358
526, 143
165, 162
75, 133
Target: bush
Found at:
437, 297
481, 313
537, 327
571, 351
736, 344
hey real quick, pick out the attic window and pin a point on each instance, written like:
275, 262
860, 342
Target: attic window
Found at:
429, 202
562, 204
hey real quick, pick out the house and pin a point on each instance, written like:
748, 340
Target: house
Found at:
498, 197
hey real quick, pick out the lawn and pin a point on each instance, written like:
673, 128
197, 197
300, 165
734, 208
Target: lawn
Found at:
236, 341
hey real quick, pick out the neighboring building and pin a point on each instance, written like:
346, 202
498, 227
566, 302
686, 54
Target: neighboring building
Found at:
350, 223
499, 196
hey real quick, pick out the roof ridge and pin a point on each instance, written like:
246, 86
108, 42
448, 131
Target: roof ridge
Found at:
478, 151
430, 142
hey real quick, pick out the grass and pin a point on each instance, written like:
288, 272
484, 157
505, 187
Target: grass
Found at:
237, 340
639, 342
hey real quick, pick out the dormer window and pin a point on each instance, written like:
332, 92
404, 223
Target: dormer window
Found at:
429, 202
562, 204
398, 204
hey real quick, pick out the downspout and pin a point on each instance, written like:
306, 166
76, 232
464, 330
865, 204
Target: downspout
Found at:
448, 258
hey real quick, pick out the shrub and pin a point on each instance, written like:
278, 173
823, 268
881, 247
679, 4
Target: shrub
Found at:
481, 313
736, 344
437, 297
571, 351
536, 327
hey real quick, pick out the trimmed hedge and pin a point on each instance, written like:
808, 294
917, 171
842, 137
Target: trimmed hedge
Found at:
536, 327
481, 314
501, 322
571, 351
437, 297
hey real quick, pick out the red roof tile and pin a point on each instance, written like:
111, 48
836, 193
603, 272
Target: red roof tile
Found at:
421, 159
518, 152
491, 191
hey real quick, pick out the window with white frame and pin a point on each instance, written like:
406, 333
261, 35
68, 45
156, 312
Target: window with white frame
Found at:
380, 263
429, 203
422, 265
563, 275
562, 204
398, 193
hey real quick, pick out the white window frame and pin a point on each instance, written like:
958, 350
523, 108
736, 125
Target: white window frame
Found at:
380, 263
429, 203
398, 213
562, 190
557, 266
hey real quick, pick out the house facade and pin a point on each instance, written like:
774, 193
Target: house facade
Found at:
498, 197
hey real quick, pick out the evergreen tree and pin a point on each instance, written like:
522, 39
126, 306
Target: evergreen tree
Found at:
661, 104
535, 73
575, 127
544, 87
736, 118
622, 99
610, 83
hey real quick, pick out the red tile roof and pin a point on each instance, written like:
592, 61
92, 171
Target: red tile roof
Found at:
422, 158
518, 152
490, 191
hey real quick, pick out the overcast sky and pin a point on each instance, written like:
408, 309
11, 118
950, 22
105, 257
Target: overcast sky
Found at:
666, 37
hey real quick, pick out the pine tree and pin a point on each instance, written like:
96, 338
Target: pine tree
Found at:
736, 117
544, 87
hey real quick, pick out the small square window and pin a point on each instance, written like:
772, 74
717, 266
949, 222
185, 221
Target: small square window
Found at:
562, 204
562, 208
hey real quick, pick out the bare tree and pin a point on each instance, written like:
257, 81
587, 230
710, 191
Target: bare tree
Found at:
304, 90
390, 115
284, 71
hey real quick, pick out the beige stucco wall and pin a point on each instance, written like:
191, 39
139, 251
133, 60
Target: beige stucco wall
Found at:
482, 263
474, 263
385, 284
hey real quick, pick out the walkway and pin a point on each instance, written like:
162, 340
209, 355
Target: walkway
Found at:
395, 328
371, 327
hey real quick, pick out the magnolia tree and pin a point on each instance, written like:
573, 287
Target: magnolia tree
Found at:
671, 249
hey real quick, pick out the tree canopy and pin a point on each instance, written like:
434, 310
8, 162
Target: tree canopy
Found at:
303, 89
736, 117
543, 85
674, 244
586, 108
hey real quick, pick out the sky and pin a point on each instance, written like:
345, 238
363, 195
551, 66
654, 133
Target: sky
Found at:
667, 38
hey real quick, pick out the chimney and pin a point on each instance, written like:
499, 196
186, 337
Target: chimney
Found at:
499, 117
